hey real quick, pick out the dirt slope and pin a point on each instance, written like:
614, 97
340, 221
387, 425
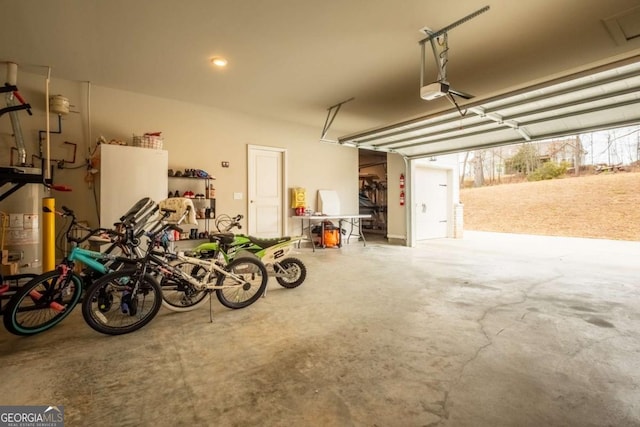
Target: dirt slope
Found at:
605, 206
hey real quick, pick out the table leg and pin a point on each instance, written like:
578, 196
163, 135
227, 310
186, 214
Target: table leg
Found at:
301, 230
313, 244
361, 233
350, 230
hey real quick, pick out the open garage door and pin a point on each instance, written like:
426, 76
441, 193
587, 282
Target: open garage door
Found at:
600, 98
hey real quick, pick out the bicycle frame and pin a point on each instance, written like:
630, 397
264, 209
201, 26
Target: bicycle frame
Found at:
241, 243
206, 282
87, 257
274, 253
90, 259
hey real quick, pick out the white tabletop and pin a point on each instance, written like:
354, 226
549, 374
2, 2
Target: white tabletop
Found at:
345, 216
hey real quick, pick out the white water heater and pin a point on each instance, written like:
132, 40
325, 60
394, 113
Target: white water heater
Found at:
22, 236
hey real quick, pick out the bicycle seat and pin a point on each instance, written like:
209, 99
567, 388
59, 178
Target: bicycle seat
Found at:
224, 238
268, 242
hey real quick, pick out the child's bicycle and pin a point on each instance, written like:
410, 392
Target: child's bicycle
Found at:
226, 247
49, 298
237, 284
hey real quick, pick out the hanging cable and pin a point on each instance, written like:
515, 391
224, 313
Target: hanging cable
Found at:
443, 55
453, 101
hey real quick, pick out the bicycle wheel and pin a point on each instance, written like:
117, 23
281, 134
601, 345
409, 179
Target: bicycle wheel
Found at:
290, 272
246, 287
42, 303
110, 307
180, 295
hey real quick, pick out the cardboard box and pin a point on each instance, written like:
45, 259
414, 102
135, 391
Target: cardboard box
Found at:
9, 269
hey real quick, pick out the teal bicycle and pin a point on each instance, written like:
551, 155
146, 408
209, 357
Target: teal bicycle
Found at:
49, 298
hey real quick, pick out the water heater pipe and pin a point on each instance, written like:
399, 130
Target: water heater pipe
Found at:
12, 73
46, 166
12, 79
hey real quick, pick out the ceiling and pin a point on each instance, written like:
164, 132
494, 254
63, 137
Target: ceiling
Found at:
291, 60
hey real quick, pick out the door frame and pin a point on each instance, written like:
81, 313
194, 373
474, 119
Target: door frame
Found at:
283, 184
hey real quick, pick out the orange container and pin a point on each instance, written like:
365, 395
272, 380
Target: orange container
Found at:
330, 238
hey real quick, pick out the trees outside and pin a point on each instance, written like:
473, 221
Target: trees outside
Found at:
548, 170
478, 168
613, 149
525, 161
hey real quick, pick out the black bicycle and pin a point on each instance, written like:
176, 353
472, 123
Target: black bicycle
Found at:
47, 299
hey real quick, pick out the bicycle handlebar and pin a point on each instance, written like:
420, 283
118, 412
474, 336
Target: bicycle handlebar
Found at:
234, 222
66, 212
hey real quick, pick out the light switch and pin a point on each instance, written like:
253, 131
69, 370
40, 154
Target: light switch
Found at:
237, 196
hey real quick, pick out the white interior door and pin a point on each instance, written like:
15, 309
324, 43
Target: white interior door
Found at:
430, 204
266, 183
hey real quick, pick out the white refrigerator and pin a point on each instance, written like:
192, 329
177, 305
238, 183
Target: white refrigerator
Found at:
126, 175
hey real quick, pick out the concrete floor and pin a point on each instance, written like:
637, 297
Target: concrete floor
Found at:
489, 330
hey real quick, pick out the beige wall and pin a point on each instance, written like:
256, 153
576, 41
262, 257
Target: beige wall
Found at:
195, 136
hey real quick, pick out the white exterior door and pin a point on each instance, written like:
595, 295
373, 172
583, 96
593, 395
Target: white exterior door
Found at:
266, 184
430, 207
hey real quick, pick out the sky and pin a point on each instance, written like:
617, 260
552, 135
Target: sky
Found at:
615, 146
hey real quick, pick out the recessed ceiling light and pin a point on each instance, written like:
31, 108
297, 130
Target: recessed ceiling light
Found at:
219, 61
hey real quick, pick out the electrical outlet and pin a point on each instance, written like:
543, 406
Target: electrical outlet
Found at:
225, 164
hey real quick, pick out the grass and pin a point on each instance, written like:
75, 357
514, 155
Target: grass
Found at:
605, 206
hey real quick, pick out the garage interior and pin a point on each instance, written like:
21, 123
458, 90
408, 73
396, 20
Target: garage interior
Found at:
372, 191
483, 329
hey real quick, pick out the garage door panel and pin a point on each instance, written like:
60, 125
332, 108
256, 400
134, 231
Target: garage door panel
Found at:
603, 97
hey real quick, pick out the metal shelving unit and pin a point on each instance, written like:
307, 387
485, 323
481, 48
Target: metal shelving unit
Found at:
373, 201
203, 199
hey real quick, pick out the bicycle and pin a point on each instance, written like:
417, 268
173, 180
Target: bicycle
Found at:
186, 282
9, 284
289, 272
49, 298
